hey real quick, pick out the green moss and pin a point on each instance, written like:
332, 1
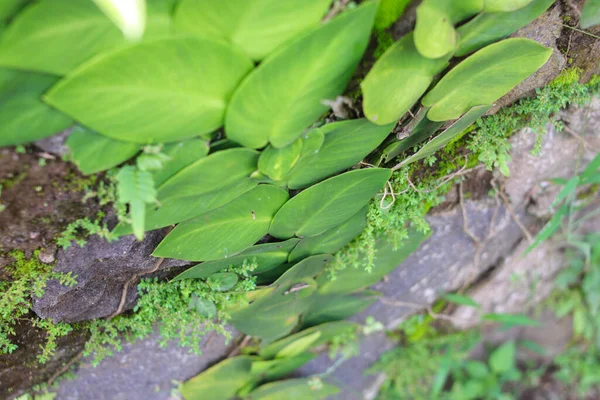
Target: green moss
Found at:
28, 278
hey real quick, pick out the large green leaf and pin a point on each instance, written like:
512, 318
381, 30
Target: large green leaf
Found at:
276, 163
487, 28
203, 186
222, 381
227, 230
331, 240
93, 152
276, 369
296, 389
136, 189
9, 7
484, 77
387, 258
345, 144
397, 81
276, 314
258, 27
181, 154
435, 35
284, 95
24, 116
329, 203
590, 15
306, 339
55, 36
267, 256
124, 94
336, 307
447, 135
504, 5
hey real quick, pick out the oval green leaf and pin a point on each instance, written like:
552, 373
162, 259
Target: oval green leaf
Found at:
336, 307
345, 144
24, 116
491, 6
267, 256
227, 230
204, 185
222, 380
222, 281
258, 27
115, 94
397, 81
204, 307
92, 152
435, 36
284, 95
276, 163
498, 68
56, 36
487, 28
331, 240
327, 204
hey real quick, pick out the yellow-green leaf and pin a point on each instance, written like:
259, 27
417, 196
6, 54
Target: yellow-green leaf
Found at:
484, 77
276, 163
258, 26
133, 93
284, 95
491, 6
297, 389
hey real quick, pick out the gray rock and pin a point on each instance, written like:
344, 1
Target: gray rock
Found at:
102, 270
55, 144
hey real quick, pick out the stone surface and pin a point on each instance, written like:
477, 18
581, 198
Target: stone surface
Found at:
102, 270
55, 144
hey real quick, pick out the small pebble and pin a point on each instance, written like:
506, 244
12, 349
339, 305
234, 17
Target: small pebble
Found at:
33, 235
47, 256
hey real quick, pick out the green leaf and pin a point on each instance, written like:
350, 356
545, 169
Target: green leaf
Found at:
8, 8
24, 116
296, 389
202, 186
55, 36
135, 188
460, 299
227, 230
510, 320
447, 135
591, 173
222, 381
327, 204
388, 12
568, 190
204, 307
435, 36
423, 130
306, 339
387, 258
258, 27
336, 307
128, 15
115, 94
276, 314
397, 81
267, 256
345, 144
181, 154
550, 228
222, 281
276, 369
590, 15
93, 152
498, 68
487, 28
284, 95
457, 11
491, 6
332, 239
477, 369
502, 359
276, 163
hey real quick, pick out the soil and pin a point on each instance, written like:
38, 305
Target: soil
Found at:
40, 198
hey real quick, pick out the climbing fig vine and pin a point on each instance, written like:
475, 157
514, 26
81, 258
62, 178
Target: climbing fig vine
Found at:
223, 107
